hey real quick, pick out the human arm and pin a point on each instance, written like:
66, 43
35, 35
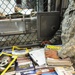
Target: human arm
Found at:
55, 40
67, 50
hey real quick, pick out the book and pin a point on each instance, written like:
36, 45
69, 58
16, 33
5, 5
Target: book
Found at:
46, 71
6, 62
24, 63
49, 73
38, 55
58, 62
67, 70
31, 72
37, 72
10, 73
9, 51
62, 71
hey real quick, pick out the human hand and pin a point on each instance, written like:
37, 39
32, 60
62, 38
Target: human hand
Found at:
45, 42
51, 54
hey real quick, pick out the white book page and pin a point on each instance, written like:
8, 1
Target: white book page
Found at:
38, 56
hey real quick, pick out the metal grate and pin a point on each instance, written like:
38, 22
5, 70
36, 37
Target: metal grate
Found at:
18, 20
19, 39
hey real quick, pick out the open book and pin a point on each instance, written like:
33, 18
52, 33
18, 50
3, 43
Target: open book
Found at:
38, 56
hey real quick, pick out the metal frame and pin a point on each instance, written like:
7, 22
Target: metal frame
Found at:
7, 38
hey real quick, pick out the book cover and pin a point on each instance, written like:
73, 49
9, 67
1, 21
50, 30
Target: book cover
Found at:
24, 66
9, 51
46, 71
6, 61
23, 63
28, 73
64, 70
38, 72
50, 73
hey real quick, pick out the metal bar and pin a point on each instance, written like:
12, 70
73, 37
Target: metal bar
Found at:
17, 32
28, 46
18, 19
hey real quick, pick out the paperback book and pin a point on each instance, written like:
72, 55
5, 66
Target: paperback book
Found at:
58, 62
38, 72
24, 63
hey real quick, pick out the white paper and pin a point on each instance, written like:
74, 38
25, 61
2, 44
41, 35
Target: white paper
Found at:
26, 11
38, 56
62, 71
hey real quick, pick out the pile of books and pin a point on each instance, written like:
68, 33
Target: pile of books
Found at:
23, 63
20, 61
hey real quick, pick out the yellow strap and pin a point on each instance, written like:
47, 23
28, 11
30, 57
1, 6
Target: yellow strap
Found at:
53, 47
15, 47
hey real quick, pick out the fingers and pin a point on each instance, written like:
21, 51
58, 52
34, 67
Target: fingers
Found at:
55, 57
45, 42
51, 54
48, 53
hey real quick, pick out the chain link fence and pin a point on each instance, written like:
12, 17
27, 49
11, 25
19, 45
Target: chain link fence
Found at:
18, 20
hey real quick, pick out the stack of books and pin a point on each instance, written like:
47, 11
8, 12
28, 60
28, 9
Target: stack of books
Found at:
42, 71
23, 63
19, 63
